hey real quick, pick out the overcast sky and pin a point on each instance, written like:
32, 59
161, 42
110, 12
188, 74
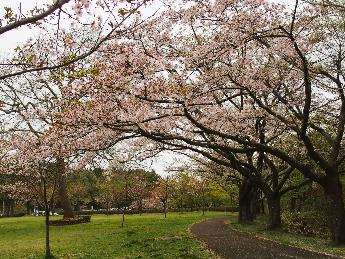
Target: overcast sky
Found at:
11, 39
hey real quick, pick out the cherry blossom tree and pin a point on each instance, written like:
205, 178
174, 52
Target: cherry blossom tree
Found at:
216, 75
31, 176
105, 19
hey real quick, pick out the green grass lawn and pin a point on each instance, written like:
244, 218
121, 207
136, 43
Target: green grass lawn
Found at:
310, 243
146, 236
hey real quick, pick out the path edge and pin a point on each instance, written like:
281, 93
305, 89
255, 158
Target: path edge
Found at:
202, 243
255, 235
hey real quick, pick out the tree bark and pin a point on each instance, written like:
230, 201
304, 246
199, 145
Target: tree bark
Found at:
165, 209
6, 204
248, 202
274, 211
47, 214
3, 207
11, 204
181, 206
63, 194
123, 218
140, 207
29, 207
334, 197
47, 239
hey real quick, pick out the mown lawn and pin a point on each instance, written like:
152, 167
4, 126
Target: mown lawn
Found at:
310, 243
146, 236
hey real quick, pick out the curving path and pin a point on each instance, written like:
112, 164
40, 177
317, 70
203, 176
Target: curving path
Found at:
231, 244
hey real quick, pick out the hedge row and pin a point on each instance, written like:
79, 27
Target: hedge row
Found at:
130, 212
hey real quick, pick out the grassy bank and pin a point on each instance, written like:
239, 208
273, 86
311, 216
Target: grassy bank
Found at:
146, 236
310, 243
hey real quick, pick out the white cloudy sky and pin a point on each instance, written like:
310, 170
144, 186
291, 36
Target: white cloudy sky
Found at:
9, 40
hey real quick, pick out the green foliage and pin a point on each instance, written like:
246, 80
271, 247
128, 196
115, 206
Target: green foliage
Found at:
215, 196
190, 191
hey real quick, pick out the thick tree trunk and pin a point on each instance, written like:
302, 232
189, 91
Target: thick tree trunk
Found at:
248, 202
63, 194
274, 211
334, 197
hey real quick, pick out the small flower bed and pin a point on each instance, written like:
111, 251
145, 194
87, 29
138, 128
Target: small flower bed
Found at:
74, 221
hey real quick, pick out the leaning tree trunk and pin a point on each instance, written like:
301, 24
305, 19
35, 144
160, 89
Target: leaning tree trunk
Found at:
336, 212
63, 194
274, 211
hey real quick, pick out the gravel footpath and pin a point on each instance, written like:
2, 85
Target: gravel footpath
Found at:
230, 244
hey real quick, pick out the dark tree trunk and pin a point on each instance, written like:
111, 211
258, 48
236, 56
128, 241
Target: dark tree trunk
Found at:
248, 202
63, 194
165, 209
181, 206
7, 207
47, 213
108, 209
255, 202
11, 204
262, 205
3, 207
123, 218
334, 197
29, 207
140, 207
47, 239
274, 211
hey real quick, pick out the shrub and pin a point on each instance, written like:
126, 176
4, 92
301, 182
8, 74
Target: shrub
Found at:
308, 223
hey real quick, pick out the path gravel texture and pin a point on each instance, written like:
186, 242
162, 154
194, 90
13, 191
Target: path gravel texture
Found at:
230, 244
